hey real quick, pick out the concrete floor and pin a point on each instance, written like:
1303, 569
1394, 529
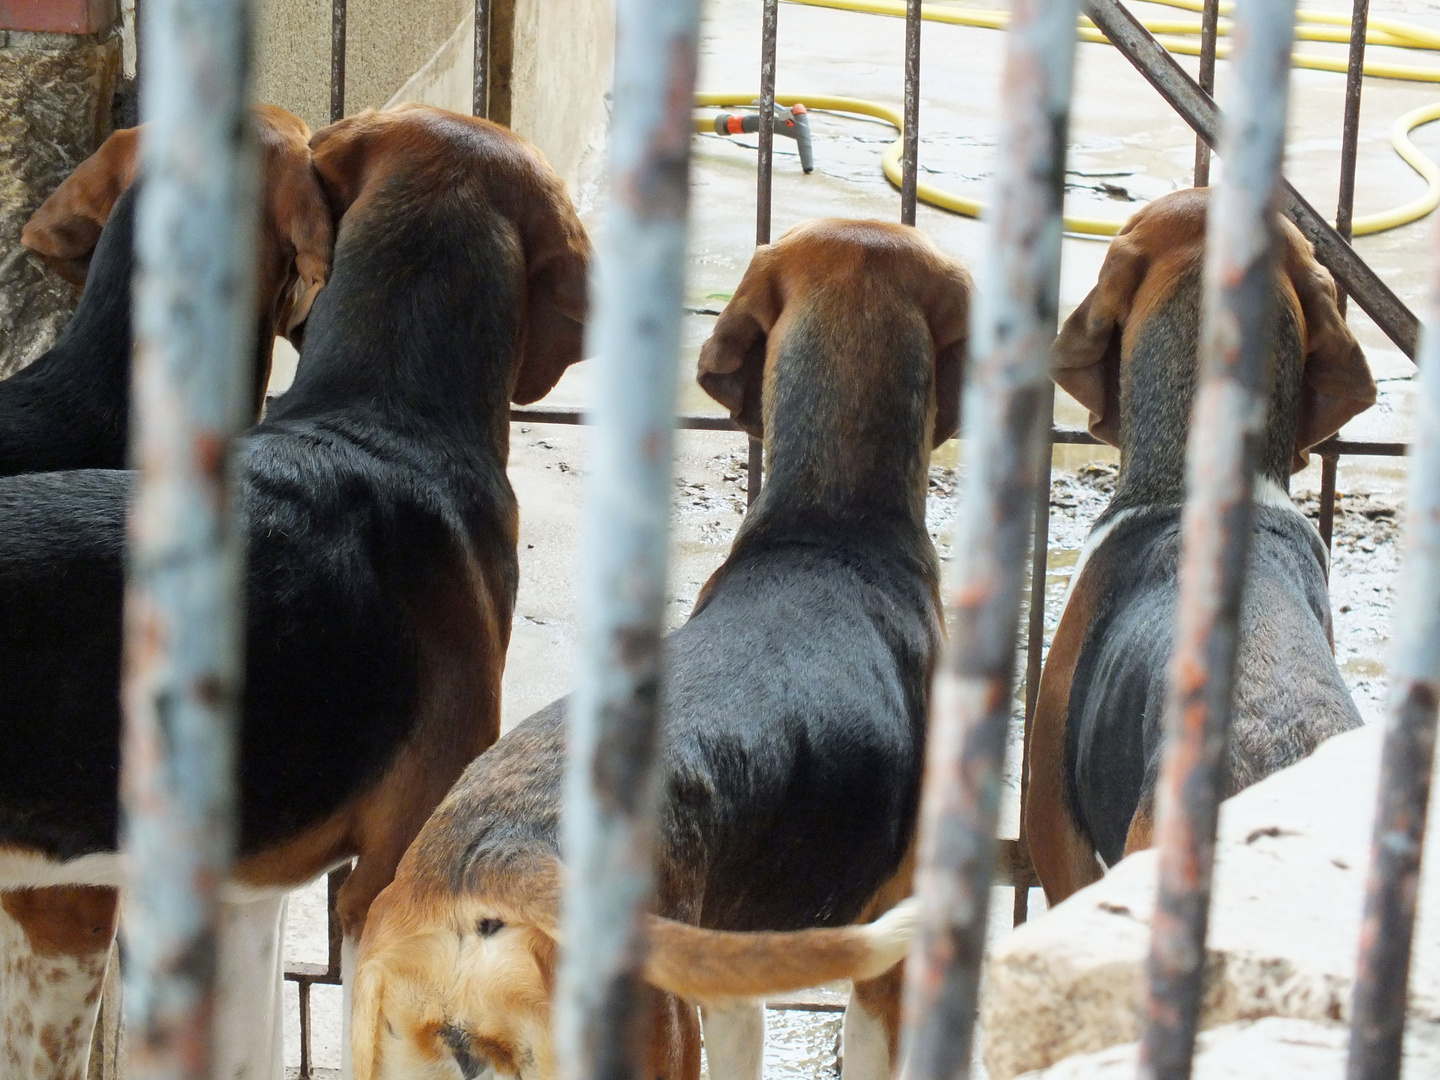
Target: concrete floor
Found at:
1126, 148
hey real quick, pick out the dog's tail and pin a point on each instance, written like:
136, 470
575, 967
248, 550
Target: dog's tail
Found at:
711, 965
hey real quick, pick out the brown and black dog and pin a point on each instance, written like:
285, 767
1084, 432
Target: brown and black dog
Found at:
70, 408
1129, 354
794, 729
380, 581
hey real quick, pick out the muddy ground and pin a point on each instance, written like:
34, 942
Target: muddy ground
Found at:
1126, 148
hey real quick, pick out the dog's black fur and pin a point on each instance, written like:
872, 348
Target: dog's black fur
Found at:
1289, 695
70, 408
795, 697
383, 466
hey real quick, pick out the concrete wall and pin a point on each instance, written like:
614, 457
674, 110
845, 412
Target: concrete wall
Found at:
422, 50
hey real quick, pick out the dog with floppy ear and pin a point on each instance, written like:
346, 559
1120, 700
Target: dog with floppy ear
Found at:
794, 726
1129, 354
381, 568
70, 408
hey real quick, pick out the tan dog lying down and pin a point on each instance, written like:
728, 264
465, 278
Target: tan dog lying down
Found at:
795, 714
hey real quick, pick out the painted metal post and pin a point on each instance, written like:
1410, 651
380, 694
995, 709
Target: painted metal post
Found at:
910, 151
338, 15
1225, 437
480, 73
1209, 31
194, 292
612, 776
1008, 428
1378, 1012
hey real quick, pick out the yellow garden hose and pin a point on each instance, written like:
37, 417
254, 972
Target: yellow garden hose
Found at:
1174, 35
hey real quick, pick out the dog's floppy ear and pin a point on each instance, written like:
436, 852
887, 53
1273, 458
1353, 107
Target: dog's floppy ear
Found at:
732, 360
67, 225
1337, 382
557, 264
948, 313
1085, 362
341, 155
298, 213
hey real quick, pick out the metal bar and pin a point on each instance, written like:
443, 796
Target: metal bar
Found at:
769, 31
1329, 466
338, 15
304, 991
1196, 109
613, 778
1006, 426
194, 294
1034, 644
764, 176
1378, 1009
1350, 134
1061, 436
1225, 437
1209, 31
910, 155
480, 72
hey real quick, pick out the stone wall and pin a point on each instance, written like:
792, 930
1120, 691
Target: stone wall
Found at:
55, 97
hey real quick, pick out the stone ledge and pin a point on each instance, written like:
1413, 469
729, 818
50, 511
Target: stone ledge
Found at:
1292, 856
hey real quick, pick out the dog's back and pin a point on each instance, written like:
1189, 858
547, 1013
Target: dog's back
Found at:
1289, 696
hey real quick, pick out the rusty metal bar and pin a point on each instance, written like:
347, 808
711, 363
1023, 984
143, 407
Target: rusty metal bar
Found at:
194, 291
480, 72
613, 776
1377, 1026
910, 153
1225, 437
1209, 31
1034, 645
305, 1036
1006, 426
338, 15
1329, 466
764, 175
1196, 109
1350, 133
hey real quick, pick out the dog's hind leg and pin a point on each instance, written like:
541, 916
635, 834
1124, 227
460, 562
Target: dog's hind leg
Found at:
870, 1033
249, 1037
734, 1040
54, 948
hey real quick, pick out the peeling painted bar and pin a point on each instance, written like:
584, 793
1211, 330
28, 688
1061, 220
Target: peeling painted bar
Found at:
1007, 428
1377, 1025
612, 777
1226, 430
339, 12
184, 621
480, 71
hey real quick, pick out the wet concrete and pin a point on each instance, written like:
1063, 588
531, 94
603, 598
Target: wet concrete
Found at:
1126, 148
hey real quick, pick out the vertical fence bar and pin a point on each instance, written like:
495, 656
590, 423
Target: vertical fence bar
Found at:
1035, 643
1329, 466
612, 777
338, 15
764, 175
1377, 1026
194, 292
1008, 430
1350, 133
910, 155
1209, 31
480, 73
1225, 435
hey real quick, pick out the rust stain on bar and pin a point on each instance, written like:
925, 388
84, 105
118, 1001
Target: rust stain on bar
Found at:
1225, 433
910, 153
1006, 423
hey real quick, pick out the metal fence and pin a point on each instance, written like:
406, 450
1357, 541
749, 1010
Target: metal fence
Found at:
1009, 414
